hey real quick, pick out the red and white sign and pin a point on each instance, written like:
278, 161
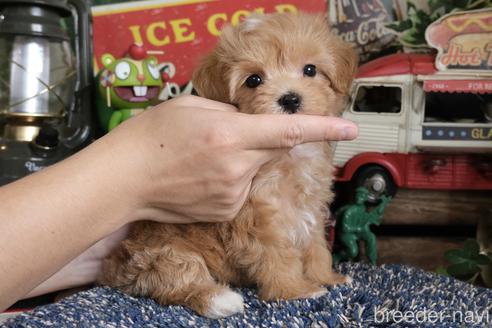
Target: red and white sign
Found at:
183, 29
472, 86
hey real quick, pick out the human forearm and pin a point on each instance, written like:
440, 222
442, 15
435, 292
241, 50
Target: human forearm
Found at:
46, 221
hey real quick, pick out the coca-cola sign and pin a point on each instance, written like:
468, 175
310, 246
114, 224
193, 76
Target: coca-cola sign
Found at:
363, 23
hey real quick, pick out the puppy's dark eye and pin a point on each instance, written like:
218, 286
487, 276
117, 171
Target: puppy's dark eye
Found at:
253, 81
310, 70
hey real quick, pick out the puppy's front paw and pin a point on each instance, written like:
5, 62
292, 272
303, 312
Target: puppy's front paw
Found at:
224, 304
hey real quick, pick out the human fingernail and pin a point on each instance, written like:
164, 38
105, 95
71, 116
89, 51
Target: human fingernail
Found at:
349, 132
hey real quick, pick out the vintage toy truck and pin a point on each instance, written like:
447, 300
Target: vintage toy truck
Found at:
419, 128
425, 120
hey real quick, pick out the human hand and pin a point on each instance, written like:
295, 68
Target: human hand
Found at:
192, 159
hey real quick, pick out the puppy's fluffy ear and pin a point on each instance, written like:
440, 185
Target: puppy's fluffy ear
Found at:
343, 64
209, 78
346, 63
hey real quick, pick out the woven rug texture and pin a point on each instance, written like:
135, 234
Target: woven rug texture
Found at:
379, 296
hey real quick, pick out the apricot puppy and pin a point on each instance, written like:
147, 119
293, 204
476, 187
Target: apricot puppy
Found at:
280, 63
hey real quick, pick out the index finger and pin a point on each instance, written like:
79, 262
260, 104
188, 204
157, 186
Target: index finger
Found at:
268, 131
204, 103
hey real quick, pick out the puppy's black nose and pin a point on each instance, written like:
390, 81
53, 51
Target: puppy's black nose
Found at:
290, 102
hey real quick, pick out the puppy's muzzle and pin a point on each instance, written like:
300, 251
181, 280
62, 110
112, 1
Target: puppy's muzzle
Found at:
290, 102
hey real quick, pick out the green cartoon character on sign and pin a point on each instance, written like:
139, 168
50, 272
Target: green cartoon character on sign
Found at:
127, 86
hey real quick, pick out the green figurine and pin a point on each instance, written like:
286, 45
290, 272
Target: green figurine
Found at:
354, 224
127, 86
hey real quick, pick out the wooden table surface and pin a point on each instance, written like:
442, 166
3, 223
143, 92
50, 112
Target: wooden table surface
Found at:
420, 225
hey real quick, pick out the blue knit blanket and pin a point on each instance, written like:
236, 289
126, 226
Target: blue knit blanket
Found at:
380, 296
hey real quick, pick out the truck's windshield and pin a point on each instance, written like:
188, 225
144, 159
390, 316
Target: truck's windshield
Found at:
378, 99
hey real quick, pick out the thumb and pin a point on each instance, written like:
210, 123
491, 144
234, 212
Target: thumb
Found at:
267, 131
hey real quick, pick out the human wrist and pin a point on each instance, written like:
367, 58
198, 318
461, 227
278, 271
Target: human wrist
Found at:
113, 184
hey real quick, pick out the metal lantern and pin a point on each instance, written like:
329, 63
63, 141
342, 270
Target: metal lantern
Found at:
45, 76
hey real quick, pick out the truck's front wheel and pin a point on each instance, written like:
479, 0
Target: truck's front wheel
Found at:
376, 180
